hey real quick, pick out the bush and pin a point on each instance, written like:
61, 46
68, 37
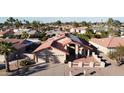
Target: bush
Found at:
104, 34
24, 63
42, 36
83, 36
111, 55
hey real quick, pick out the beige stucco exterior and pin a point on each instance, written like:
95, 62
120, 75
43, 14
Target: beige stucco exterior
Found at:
105, 50
52, 55
2, 59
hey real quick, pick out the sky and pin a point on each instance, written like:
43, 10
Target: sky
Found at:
64, 19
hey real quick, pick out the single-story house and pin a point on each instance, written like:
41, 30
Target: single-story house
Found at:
107, 45
53, 32
6, 32
63, 48
21, 46
80, 30
32, 33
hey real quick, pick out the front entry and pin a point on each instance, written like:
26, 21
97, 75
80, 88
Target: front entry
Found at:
71, 50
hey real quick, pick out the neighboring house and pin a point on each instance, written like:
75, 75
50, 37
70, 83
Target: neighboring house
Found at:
97, 28
20, 45
107, 45
122, 31
6, 32
79, 30
53, 32
32, 33
63, 48
65, 27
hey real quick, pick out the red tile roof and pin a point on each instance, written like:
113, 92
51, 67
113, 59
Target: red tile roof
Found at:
7, 31
66, 40
17, 43
13, 41
47, 44
1, 33
109, 42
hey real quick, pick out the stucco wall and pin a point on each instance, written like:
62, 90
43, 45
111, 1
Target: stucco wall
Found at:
2, 59
101, 48
53, 55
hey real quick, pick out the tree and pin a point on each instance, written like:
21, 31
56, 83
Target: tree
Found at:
104, 34
42, 36
26, 21
83, 36
117, 23
89, 33
75, 24
1, 25
84, 23
35, 25
58, 22
118, 33
110, 21
118, 54
10, 21
6, 49
18, 23
25, 35
111, 31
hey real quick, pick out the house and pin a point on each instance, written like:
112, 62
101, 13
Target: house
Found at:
20, 45
32, 33
79, 30
63, 48
6, 32
107, 45
53, 32
122, 31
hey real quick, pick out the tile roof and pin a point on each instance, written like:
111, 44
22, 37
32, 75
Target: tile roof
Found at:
7, 31
17, 43
1, 32
31, 32
109, 42
67, 38
13, 41
47, 44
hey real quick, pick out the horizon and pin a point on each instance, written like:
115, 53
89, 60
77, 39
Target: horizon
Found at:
64, 19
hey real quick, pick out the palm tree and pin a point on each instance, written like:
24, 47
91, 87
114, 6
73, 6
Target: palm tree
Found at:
27, 23
35, 25
18, 23
5, 49
58, 22
25, 35
11, 21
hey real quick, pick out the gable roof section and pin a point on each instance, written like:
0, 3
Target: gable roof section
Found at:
109, 42
55, 43
16, 43
7, 31
48, 43
59, 46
